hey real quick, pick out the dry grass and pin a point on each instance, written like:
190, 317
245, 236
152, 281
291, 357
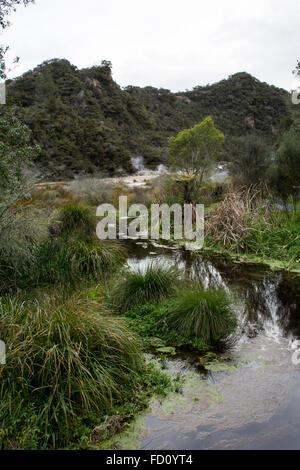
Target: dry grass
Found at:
241, 211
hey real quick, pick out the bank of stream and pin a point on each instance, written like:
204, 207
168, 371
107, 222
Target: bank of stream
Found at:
251, 401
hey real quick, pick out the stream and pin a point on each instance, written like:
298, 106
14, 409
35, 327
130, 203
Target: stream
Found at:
251, 403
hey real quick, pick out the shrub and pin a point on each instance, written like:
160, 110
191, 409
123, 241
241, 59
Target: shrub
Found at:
250, 158
204, 314
138, 287
66, 360
285, 179
19, 246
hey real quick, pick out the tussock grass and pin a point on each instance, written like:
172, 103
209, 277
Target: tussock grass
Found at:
140, 287
204, 314
75, 219
66, 359
71, 261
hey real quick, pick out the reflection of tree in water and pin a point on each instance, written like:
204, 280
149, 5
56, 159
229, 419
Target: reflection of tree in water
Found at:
267, 298
261, 292
289, 295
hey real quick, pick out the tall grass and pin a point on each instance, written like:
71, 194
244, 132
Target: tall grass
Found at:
236, 217
71, 261
280, 240
75, 219
204, 314
248, 221
68, 254
66, 359
140, 287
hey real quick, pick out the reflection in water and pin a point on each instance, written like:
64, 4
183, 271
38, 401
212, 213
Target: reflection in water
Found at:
267, 299
257, 406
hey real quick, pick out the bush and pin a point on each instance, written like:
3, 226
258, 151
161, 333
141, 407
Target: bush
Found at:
66, 360
285, 179
204, 314
250, 158
138, 287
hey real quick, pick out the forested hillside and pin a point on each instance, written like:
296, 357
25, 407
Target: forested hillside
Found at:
86, 123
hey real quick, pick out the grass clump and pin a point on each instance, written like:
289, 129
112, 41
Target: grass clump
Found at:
73, 261
203, 314
141, 287
193, 319
67, 361
76, 220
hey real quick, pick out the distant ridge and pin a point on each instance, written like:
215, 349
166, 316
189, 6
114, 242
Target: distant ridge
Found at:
86, 123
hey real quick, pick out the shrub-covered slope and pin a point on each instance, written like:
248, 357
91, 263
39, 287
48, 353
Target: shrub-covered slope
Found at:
85, 122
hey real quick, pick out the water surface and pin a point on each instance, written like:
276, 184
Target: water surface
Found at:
256, 403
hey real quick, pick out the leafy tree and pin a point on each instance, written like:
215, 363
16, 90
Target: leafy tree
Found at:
286, 176
19, 231
193, 151
16, 157
250, 158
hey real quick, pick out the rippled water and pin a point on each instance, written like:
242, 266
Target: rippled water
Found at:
255, 405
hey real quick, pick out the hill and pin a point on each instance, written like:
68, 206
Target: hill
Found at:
86, 123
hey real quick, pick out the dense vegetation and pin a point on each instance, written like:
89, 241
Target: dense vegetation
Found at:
75, 320
85, 123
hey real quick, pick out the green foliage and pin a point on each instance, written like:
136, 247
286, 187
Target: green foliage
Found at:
286, 176
19, 233
148, 321
280, 240
250, 159
69, 254
249, 222
73, 261
16, 155
204, 314
96, 126
140, 287
66, 359
194, 150
75, 220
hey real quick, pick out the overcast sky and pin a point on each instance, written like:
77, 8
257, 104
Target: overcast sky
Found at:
174, 44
